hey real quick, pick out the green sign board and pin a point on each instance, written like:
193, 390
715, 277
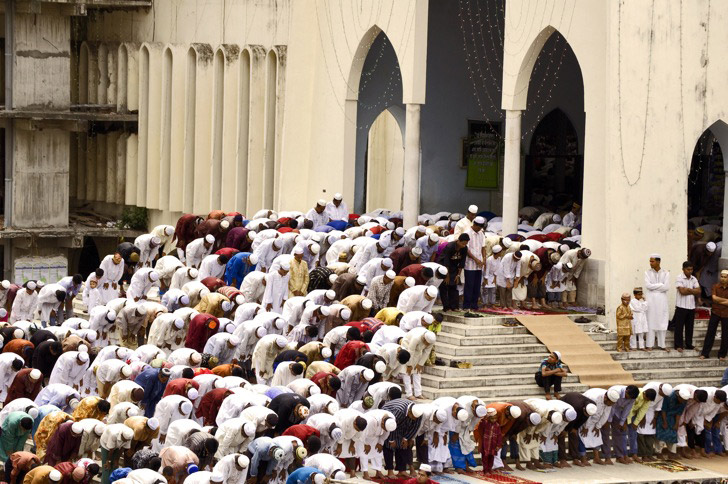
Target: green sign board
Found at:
482, 155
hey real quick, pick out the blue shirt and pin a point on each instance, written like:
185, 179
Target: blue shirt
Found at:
237, 268
153, 389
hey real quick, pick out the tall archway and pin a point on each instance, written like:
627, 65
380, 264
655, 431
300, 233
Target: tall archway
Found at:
384, 164
379, 100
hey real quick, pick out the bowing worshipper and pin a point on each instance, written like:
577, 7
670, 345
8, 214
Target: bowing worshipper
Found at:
418, 342
328, 382
359, 305
115, 439
49, 302
428, 243
399, 443
167, 331
145, 430
148, 245
64, 443
201, 328
265, 454
298, 281
70, 368
223, 346
266, 252
291, 409
328, 464
276, 288
395, 358
18, 465
92, 430
125, 391
710, 413
350, 353
687, 424
452, 258
375, 267
287, 372
583, 408
129, 323
657, 283
141, 283
213, 265
26, 384
15, 432
43, 474
687, 290
306, 475
590, 432
233, 468
238, 268
264, 353
418, 298
383, 392
92, 407
214, 304
614, 433
20, 347
197, 250
370, 446
24, 304
308, 435
185, 357
672, 409
353, 425
46, 428
182, 276
165, 233
348, 284
240, 238
110, 372
101, 320
210, 405
170, 409
62, 396
718, 314
379, 290
399, 285
178, 462
354, 382
234, 436
636, 417
403, 257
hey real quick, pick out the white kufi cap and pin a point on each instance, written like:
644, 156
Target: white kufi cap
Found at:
431, 291
591, 409
473, 209
534, 418
366, 303
153, 423
515, 411
209, 239
368, 374
612, 395
570, 414
281, 342
380, 366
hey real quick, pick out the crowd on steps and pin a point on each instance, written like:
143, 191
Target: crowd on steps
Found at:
289, 348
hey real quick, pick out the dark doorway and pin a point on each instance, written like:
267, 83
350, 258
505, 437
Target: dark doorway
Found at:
89, 259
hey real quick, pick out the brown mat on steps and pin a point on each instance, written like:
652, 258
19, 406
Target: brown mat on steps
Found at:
585, 358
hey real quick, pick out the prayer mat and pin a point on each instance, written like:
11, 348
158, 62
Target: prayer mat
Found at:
499, 477
584, 356
387, 480
702, 313
509, 311
670, 466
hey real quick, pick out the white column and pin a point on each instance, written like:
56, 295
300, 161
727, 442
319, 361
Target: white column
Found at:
411, 181
512, 172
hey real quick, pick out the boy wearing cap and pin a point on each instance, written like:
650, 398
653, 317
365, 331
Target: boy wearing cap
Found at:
624, 323
638, 305
197, 250
492, 266
687, 292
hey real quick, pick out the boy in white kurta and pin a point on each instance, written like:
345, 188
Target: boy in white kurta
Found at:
638, 305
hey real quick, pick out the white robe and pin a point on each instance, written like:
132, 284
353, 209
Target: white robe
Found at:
24, 306
112, 275
67, 370
231, 437
217, 345
253, 287
140, 284
166, 267
276, 291
656, 286
413, 299
180, 277
147, 253
227, 467
210, 267
596, 421
196, 251
164, 334
48, 302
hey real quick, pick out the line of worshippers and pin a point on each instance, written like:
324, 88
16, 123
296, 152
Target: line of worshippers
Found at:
292, 379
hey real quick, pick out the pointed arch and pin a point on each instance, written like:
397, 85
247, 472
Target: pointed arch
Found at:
360, 56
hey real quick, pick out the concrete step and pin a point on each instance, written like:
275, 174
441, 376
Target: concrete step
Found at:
482, 370
494, 329
488, 358
495, 393
667, 363
682, 374
465, 382
487, 319
463, 351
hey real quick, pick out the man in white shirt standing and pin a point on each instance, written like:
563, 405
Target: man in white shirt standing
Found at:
474, 264
657, 283
688, 289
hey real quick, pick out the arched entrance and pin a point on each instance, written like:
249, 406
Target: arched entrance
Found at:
384, 164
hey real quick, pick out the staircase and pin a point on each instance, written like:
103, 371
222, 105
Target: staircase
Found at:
505, 360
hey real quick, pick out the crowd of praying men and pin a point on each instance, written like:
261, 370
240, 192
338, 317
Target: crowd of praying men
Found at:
289, 347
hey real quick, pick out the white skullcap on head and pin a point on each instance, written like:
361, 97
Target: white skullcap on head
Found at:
655, 255
462, 415
224, 224
83, 357
239, 299
249, 429
226, 306
91, 336
209, 239
99, 429
366, 303
479, 220
281, 342
337, 196
340, 476
480, 411
285, 265
440, 414
506, 242
399, 231
416, 251
18, 333
35, 374
515, 411
380, 366
337, 434
563, 248
321, 202
361, 280
710, 246
186, 407
243, 460
612, 395
192, 394
591, 409
425, 468
418, 410
497, 249
298, 250
430, 337
179, 323
431, 291
345, 313
84, 325
556, 218
234, 341
126, 371
40, 284
666, 389
570, 414
196, 358
429, 318
153, 423
253, 259
324, 310
319, 478
556, 418
473, 209
387, 262
534, 418
558, 354
368, 374
5, 284
434, 237
55, 475
3, 312
168, 230
491, 412
279, 323
390, 274
216, 477
193, 273
410, 282
684, 393
314, 248
73, 403
156, 240
260, 331
31, 285
384, 243
77, 428
252, 234
128, 433
154, 276
141, 309
390, 425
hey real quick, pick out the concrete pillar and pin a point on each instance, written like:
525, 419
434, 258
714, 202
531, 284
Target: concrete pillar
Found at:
100, 167
112, 167
411, 182
231, 90
91, 168
512, 172
256, 133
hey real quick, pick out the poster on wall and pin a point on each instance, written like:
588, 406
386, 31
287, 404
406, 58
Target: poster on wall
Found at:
482, 155
46, 269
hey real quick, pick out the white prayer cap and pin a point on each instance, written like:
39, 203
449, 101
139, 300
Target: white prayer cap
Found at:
216, 477
556, 218
281, 342
507, 242
196, 358
380, 366
326, 352
570, 414
252, 234
368, 374
126, 371
35, 375
285, 265
387, 262
77, 428
154, 276
340, 476
319, 478
684, 393
462, 415
5, 284
142, 310
253, 259
279, 323
31, 285
73, 403
314, 248
416, 251
497, 249
440, 414
99, 429
218, 383
226, 306
666, 389
337, 433
55, 475
298, 250
234, 341
360, 279
418, 410
278, 454
332, 278
430, 337
389, 225
383, 243
209, 239
655, 255
558, 354
612, 395
345, 314
434, 237
153, 423
354, 249
555, 257
556, 418
337, 196
429, 318
186, 407
575, 232
156, 240
249, 429
399, 231
330, 295
390, 425
40, 284
390, 274
480, 411
473, 209
563, 248
84, 324
591, 409
425, 468
431, 291
82, 348
239, 299
128, 434
179, 323
261, 331
83, 357
534, 418
409, 281
366, 303
491, 412
18, 333
710, 247
243, 460
321, 202
168, 230
479, 221
193, 273
192, 394
3, 312
515, 411
224, 224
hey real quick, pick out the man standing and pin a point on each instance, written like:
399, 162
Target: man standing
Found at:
453, 258
657, 283
688, 290
466, 222
474, 264
573, 218
719, 313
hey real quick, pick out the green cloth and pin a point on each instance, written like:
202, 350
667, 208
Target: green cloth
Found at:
13, 435
639, 409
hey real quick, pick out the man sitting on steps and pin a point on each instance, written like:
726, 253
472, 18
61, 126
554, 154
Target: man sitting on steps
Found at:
550, 374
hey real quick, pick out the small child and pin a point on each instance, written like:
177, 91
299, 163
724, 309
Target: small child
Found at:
92, 296
491, 439
624, 323
638, 305
556, 283
492, 264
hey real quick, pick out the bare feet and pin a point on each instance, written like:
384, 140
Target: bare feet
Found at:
529, 465
556, 395
520, 467
636, 459
548, 396
507, 468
